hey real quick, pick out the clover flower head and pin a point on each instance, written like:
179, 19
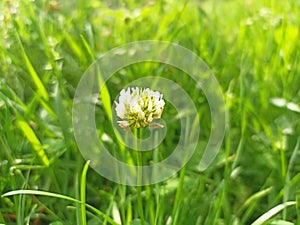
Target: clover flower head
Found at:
139, 107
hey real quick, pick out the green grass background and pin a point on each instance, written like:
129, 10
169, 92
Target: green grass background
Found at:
252, 47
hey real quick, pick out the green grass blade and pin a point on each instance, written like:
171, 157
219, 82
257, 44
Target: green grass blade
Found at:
55, 195
288, 175
266, 216
74, 46
35, 77
77, 196
255, 197
178, 197
87, 47
82, 192
34, 141
105, 96
48, 109
281, 222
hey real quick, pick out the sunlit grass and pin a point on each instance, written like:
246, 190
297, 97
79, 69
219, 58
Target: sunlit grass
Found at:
252, 48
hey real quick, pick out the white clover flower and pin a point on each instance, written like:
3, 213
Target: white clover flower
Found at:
139, 107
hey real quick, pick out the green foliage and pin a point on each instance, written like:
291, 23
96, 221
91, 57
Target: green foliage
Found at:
251, 46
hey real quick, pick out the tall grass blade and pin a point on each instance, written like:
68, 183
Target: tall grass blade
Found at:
82, 192
32, 72
55, 195
34, 141
272, 212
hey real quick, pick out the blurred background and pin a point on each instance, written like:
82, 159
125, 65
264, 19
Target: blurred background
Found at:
251, 46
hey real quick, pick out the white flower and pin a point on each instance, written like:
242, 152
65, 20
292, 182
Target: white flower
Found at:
139, 107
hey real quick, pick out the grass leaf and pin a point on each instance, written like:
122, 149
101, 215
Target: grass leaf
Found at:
272, 212
35, 77
55, 195
34, 141
82, 192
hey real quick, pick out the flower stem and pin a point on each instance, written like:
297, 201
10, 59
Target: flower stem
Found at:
138, 134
